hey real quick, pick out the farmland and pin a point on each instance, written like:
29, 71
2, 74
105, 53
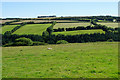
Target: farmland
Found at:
76, 32
32, 29
68, 25
7, 28
89, 60
38, 21
113, 25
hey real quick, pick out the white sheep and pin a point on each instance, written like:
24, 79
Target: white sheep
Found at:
49, 48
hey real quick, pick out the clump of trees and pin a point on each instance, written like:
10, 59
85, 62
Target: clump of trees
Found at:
61, 42
23, 42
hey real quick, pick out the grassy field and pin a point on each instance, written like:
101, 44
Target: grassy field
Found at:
67, 25
32, 29
38, 21
3, 21
79, 32
6, 28
88, 60
113, 25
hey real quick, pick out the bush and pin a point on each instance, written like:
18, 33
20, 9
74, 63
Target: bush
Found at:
39, 43
23, 42
110, 40
51, 42
61, 42
8, 44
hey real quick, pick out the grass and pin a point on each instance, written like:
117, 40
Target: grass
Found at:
113, 25
88, 60
7, 28
68, 25
32, 29
80, 32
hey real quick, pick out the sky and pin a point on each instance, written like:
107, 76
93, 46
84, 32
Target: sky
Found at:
33, 9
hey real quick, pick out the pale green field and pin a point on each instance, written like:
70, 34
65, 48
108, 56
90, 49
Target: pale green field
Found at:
32, 29
6, 28
79, 32
68, 25
75, 60
113, 25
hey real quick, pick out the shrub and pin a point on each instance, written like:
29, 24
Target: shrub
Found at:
20, 44
23, 42
61, 42
51, 42
39, 43
8, 44
110, 40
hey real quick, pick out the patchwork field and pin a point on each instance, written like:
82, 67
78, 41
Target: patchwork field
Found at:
32, 29
113, 25
68, 25
38, 21
80, 32
88, 60
7, 28
3, 21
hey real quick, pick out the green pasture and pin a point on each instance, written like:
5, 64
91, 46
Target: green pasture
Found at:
71, 25
73, 60
113, 25
32, 29
6, 28
76, 32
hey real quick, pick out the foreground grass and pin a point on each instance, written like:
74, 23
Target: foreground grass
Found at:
32, 29
89, 60
77, 32
6, 28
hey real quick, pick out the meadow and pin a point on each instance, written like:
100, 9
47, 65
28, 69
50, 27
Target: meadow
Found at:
113, 25
6, 28
32, 29
76, 32
73, 60
68, 25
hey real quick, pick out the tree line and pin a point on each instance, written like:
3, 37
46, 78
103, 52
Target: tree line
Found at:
48, 37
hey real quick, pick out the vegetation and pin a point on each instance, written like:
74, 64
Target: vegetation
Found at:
61, 42
77, 32
23, 42
7, 28
32, 29
70, 25
76, 60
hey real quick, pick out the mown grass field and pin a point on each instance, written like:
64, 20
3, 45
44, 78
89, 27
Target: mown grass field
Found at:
76, 32
32, 29
75, 60
6, 28
113, 25
68, 25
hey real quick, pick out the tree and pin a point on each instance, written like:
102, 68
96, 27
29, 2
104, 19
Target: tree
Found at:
45, 35
50, 30
93, 22
23, 42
